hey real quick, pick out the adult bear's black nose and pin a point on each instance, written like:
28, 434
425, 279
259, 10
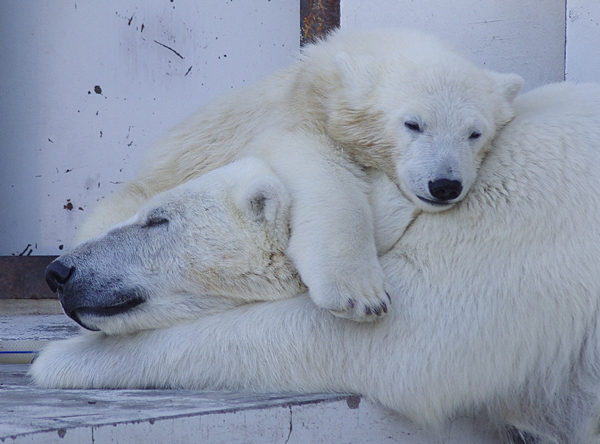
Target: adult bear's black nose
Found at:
58, 274
444, 189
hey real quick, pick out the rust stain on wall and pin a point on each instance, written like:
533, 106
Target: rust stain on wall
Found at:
317, 18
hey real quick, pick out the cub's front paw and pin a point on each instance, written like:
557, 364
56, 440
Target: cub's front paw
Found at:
359, 295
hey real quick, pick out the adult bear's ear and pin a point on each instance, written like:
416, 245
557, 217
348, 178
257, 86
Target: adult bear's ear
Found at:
266, 200
356, 76
508, 84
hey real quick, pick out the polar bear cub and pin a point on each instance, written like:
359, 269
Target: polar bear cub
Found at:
395, 100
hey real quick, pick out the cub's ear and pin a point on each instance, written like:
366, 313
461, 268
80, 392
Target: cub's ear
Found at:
356, 76
506, 86
266, 200
509, 85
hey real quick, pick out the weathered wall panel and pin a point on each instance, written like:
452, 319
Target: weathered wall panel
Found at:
88, 86
583, 41
503, 35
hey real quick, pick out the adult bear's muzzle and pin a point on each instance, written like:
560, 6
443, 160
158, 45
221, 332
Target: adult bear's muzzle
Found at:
58, 275
88, 296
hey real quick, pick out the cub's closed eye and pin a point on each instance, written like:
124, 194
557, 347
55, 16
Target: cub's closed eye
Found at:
475, 135
155, 222
413, 126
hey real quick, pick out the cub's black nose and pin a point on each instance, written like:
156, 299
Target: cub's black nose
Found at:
58, 274
444, 189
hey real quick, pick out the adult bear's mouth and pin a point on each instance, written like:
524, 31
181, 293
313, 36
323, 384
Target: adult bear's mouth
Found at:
79, 314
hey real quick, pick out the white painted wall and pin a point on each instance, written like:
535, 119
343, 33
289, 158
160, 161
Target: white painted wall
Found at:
87, 86
525, 37
583, 41
62, 143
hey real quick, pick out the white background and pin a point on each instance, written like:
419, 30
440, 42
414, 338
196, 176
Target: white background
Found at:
86, 87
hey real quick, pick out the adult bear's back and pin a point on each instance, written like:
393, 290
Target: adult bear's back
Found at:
508, 281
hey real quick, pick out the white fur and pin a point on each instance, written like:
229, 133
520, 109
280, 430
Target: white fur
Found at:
342, 106
496, 301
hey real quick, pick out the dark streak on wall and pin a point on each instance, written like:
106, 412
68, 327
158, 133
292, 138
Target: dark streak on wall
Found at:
317, 18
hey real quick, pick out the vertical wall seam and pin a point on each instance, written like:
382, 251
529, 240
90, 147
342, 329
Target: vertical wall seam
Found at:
565, 42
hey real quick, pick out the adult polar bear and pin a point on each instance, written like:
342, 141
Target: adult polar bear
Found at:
396, 100
496, 301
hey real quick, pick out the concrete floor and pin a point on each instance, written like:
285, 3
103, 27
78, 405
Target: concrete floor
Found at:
31, 415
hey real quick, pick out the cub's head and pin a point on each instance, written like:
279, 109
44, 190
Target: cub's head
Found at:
207, 245
410, 105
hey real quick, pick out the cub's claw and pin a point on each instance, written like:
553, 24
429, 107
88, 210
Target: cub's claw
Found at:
359, 294
359, 310
378, 310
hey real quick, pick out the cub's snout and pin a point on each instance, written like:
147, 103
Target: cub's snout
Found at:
445, 189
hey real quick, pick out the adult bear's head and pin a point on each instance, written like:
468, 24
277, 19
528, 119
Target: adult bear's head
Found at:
212, 243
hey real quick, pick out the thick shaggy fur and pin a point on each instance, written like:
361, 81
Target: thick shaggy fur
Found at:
495, 301
396, 100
